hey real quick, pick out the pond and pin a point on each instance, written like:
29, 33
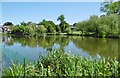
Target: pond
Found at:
18, 48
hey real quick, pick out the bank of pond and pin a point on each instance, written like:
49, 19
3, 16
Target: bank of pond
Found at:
74, 33
60, 63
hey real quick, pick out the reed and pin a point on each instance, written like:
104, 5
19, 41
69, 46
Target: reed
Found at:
60, 63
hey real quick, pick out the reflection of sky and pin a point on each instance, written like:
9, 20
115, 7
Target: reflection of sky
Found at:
16, 51
33, 53
28, 52
0, 13
75, 51
0, 59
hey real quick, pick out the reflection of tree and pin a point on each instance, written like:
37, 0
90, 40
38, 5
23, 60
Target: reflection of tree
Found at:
7, 40
49, 41
63, 41
118, 49
44, 42
31, 42
104, 47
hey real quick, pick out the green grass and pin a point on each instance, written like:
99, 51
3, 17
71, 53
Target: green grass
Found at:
77, 32
70, 33
60, 63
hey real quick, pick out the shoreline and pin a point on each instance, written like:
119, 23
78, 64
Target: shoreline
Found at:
63, 34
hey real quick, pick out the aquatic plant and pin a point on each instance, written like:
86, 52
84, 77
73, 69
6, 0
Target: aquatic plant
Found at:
60, 63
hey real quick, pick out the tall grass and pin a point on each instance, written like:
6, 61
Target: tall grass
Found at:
58, 63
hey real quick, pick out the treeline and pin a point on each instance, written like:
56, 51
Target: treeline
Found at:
103, 26
45, 26
98, 26
106, 25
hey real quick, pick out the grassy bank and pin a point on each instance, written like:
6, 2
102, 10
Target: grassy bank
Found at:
79, 33
58, 63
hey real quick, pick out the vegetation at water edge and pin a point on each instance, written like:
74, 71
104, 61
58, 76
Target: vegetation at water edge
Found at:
60, 63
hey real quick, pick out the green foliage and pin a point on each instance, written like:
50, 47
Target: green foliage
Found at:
18, 30
29, 29
8, 24
41, 29
99, 26
102, 30
32, 29
58, 28
58, 63
49, 25
110, 7
23, 23
63, 24
81, 26
61, 18
103, 26
68, 30
22, 30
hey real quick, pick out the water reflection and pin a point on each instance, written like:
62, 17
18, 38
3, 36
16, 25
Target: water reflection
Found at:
31, 47
103, 47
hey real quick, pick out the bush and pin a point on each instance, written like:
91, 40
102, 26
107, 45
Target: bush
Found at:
104, 26
68, 30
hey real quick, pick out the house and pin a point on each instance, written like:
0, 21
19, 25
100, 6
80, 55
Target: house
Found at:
5, 29
72, 27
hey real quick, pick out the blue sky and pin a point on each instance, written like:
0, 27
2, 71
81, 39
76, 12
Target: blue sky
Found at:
55, 0
36, 11
0, 13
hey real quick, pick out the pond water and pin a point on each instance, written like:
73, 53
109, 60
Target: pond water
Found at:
18, 48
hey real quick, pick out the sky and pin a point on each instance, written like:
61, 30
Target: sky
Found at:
0, 13
56, 0
17, 12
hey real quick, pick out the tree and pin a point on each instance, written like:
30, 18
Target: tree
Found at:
23, 23
7, 24
49, 25
110, 7
63, 24
81, 26
28, 23
105, 26
41, 29
92, 23
61, 18
58, 28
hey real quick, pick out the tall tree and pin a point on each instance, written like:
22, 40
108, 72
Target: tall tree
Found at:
49, 25
7, 24
110, 7
23, 23
63, 24
61, 18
